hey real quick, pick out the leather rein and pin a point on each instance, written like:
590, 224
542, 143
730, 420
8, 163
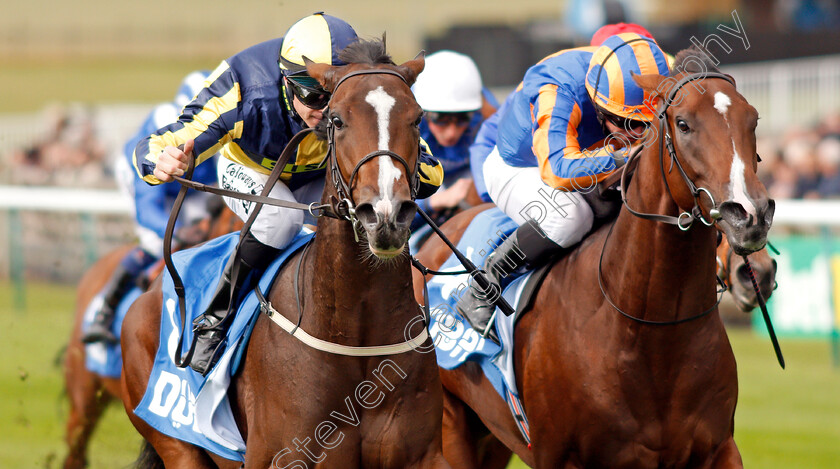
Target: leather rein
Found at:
696, 212
341, 208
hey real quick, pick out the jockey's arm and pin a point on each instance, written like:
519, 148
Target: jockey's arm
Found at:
210, 121
562, 161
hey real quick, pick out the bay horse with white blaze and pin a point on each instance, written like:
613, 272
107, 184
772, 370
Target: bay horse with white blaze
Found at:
639, 372
352, 294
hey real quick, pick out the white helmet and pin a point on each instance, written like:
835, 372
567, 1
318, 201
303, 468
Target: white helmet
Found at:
450, 82
190, 86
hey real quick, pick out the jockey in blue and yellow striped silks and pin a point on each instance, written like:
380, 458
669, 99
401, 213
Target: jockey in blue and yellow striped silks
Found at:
248, 110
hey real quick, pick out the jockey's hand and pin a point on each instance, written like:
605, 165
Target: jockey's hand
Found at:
173, 161
451, 196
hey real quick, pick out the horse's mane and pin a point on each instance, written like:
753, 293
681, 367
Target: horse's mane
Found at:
689, 61
370, 52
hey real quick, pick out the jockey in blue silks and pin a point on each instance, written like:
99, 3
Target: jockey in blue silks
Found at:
569, 121
253, 104
151, 206
455, 103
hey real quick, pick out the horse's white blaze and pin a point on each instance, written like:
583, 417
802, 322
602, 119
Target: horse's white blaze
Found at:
737, 183
382, 103
388, 173
722, 102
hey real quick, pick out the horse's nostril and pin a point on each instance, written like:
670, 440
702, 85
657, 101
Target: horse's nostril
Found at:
733, 213
366, 214
406, 212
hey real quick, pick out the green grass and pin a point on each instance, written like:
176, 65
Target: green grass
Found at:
785, 419
33, 409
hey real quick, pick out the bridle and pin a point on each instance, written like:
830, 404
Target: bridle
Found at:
696, 212
665, 141
342, 208
345, 206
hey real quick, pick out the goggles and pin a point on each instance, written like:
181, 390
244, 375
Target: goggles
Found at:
309, 94
637, 126
444, 119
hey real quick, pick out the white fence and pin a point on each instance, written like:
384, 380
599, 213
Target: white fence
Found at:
54, 234
790, 92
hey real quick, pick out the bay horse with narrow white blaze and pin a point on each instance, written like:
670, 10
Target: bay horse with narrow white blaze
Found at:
353, 294
656, 386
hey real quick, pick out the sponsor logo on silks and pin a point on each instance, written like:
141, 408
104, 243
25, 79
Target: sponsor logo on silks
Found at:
174, 400
294, 168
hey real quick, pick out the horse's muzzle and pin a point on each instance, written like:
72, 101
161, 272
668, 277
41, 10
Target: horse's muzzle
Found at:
746, 232
387, 228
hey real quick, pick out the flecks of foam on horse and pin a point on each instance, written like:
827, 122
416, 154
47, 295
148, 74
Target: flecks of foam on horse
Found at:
382, 103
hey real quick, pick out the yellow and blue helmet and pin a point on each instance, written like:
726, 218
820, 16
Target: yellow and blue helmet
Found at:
609, 81
319, 38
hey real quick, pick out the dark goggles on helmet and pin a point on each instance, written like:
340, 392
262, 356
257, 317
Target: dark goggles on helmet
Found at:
635, 125
308, 91
445, 118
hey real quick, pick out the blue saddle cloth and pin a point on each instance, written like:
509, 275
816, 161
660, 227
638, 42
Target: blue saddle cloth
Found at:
455, 340
178, 401
101, 358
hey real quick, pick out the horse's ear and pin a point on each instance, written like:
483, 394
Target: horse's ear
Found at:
325, 74
654, 85
413, 67
650, 83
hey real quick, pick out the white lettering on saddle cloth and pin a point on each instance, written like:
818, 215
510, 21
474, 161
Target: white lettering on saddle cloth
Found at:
174, 400
451, 334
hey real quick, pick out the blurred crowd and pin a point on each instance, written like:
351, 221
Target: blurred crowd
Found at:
804, 162
68, 153
801, 163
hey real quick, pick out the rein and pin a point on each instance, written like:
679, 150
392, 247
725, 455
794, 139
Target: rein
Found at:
344, 208
184, 360
696, 212
665, 141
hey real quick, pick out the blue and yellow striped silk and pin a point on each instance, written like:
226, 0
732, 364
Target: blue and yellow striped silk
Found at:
241, 113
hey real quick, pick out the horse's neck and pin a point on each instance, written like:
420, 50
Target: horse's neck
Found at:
665, 273
358, 297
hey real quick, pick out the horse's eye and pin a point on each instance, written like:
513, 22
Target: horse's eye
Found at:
337, 122
684, 128
418, 120
758, 157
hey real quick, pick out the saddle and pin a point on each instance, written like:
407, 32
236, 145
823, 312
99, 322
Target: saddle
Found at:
605, 201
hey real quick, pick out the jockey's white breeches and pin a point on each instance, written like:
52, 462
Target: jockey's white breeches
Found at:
274, 226
521, 194
193, 209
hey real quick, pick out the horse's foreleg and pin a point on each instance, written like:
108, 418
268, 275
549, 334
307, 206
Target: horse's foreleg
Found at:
494, 454
727, 456
459, 445
87, 401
